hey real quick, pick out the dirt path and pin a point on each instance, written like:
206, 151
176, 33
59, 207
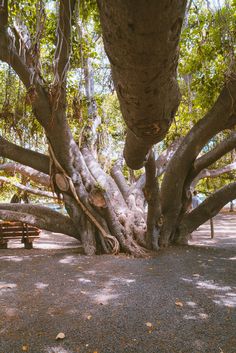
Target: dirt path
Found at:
182, 300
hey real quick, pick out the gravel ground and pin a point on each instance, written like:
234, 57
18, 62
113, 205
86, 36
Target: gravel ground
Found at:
182, 300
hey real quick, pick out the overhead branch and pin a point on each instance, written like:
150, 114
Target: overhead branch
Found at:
24, 156
39, 216
28, 189
28, 172
208, 208
142, 47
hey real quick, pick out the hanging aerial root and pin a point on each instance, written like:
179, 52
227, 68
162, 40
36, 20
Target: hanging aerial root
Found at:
110, 240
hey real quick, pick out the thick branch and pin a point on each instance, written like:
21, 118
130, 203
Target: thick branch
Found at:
24, 156
28, 172
220, 117
142, 47
39, 216
208, 209
28, 189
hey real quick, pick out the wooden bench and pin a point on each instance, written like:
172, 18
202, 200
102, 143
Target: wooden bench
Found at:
18, 230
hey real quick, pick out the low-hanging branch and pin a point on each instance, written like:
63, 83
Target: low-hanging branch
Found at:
39, 216
207, 209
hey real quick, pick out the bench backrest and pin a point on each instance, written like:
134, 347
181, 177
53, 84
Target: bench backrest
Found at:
17, 229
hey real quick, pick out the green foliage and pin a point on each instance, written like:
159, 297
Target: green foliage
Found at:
207, 52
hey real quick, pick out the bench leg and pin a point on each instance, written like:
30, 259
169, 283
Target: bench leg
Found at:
3, 245
28, 245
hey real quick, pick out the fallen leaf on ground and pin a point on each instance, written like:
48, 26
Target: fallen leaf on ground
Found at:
24, 348
179, 303
148, 324
60, 336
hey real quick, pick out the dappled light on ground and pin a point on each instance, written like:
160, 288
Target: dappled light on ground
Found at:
224, 232
183, 299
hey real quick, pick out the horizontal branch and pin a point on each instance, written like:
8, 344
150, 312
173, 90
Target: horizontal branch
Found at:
28, 189
28, 172
39, 216
24, 156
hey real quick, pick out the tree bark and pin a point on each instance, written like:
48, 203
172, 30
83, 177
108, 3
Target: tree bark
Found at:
142, 46
152, 195
35, 160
